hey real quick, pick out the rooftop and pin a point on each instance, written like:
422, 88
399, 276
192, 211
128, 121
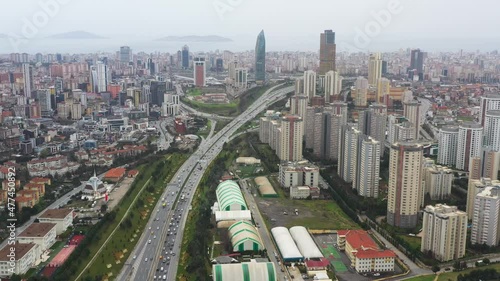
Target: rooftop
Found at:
21, 251
37, 229
56, 213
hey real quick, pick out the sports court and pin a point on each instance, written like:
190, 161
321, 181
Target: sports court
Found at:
333, 256
62, 256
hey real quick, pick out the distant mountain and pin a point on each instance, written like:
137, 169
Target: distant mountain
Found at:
76, 35
3, 35
195, 38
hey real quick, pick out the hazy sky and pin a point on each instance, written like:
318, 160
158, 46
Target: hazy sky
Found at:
284, 21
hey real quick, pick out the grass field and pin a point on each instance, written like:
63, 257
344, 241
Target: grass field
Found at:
414, 241
326, 215
147, 188
453, 275
194, 92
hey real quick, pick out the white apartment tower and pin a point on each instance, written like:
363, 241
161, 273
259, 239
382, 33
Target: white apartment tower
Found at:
492, 129
470, 136
309, 84
366, 179
333, 85
485, 227
444, 232
412, 113
447, 145
348, 151
374, 69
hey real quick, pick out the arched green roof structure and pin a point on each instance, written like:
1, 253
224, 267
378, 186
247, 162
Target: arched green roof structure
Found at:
229, 197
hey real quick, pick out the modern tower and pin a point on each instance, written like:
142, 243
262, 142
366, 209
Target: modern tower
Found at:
99, 77
444, 232
412, 113
309, 84
125, 54
405, 184
366, 179
327, 52
470, 137
260, 59
241, 75
447, 145
185, 57
492, 129
485, 228
417, 64
290, 148
333, 85
488, 102
28, 80
374, 69
199, 69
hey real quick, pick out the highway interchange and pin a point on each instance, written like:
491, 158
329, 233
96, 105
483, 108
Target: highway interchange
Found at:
156, 255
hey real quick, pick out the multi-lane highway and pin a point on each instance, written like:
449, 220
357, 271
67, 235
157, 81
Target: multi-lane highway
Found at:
157, 252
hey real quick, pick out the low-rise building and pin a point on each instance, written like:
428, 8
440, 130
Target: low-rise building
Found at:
63, 218
115, 174
42, 234
300, 192
26, 256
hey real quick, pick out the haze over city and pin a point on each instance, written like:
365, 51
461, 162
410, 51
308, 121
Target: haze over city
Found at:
289, 25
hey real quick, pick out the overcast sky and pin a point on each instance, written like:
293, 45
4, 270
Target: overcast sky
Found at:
284, 21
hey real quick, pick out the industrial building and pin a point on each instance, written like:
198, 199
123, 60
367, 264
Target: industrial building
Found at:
245, 237
229, 197
247, 271
305, 243
286, 245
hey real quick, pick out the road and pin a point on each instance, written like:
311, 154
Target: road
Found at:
185, 182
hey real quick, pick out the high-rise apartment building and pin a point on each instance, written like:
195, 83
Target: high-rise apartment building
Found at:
485, 225
327, 52
99, 77
28, 80
412, 113
348, 151
392, 121
383, 90
475, 186
43, 97
366, 179
437, 182
260, 58
489, 163
299, 86
333, 85
374, 69
309, 127
241, 80
199, 69
405, 184
309, 84
361, 89
298, 105
492, 129
470, 136
290, 142
447, 145
488, 102
372, 122
444, 232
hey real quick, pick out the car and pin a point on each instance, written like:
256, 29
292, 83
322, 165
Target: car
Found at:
149, 228
145, 259
154, 237
173, 254
134, 257
157, 227
149, 241
161, 269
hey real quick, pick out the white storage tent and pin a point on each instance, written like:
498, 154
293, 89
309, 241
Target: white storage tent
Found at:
305, 243
286, 245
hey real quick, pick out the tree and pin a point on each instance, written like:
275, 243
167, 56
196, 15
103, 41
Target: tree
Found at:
44, 153
486, 261
435, 268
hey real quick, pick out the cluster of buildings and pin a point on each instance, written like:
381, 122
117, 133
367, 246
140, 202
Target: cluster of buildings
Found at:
35, 241
27, 196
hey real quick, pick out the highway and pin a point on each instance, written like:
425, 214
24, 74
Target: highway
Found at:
144, 262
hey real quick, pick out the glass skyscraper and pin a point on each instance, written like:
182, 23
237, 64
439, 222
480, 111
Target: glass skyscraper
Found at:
260, 58
185, 57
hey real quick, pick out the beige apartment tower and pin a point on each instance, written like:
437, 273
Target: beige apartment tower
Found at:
290, 139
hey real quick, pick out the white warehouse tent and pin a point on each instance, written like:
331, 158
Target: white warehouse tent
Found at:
305, 243
233, 215
246, 271
245, 237
286, 245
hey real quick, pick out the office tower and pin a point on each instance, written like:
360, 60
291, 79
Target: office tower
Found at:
125, 54
231, 70
488, 102
444, 232
485, 228
383, 90
447, 145
199, 70
309, 84
417, 64
158, 90
299, 86
492, 129
474, 187
99, 77
366, 179
185, 57
374, 69
405, 184
28, 80
361, 89
333, 85
348, 151
146, 94
241, 80
470, 136
290, 143
372, 122
412, 113
260, 59
437, 181
219, 65
327, 52
43, 97
298, 106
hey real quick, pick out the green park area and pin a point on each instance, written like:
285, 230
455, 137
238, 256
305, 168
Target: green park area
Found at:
453, 276
108, 244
